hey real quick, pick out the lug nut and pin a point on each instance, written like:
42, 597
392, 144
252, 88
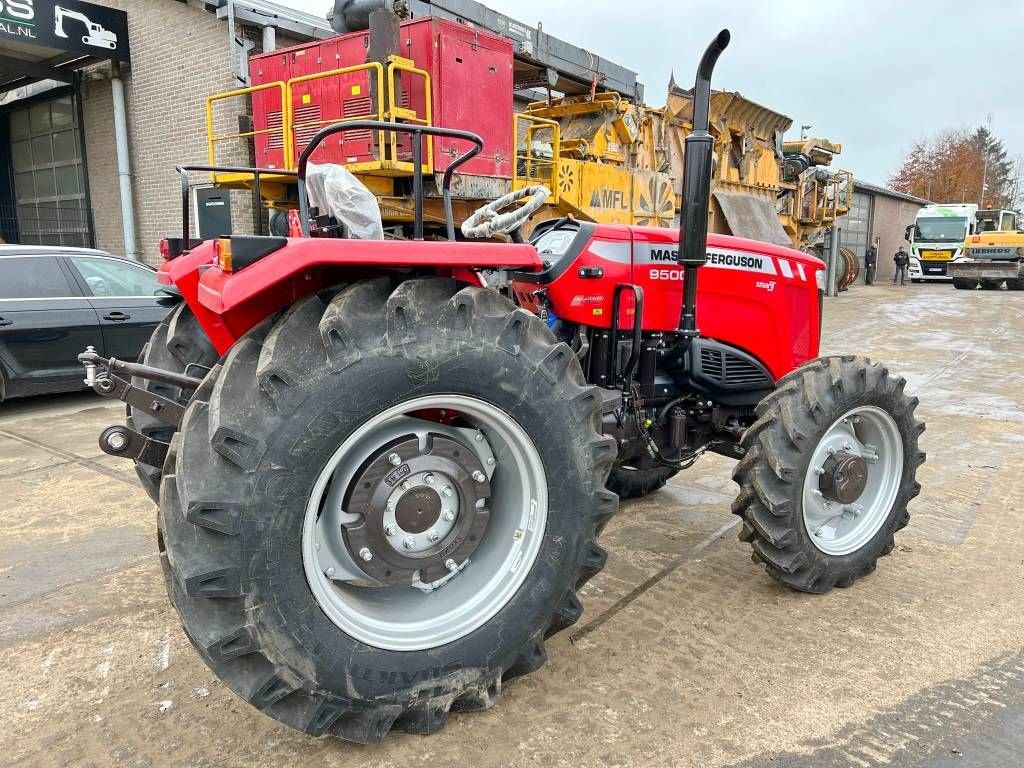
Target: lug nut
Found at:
847, 447
819, 470
330, 571
428, 478
406, 485
490, 461
450, 565
117, 440
366, 554
446, 491
479, 437
391, 530
395, 459
448, 515
433, 535
409, 542
479, 476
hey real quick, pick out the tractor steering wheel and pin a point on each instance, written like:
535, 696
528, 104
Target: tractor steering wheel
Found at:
488, 220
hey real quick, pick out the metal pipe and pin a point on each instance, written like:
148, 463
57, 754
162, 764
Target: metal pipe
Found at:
124, 168
693, 223
833, 261
269, 39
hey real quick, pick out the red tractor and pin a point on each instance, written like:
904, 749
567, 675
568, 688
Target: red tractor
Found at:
381, 479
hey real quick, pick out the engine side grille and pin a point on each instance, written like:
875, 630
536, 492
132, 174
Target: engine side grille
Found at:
712, 363
742, 372
732, 370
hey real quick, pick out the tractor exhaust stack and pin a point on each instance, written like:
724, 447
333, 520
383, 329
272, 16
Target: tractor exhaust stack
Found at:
693, 223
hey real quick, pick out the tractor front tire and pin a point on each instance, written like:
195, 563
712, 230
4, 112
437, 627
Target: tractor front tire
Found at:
828, 471
963, 284
304, 451
180, 345
631, 483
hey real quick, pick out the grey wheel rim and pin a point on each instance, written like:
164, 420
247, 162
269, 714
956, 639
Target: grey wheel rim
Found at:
409, 618
868, 440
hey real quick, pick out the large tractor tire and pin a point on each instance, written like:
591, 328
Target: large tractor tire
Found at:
178, 344
381, 504
829, 469
963, 284
632, 483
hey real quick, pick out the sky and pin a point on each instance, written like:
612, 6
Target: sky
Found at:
875, 76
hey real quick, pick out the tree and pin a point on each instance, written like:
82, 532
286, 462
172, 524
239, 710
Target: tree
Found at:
955, 165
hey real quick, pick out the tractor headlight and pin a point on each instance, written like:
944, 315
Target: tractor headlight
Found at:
819, 278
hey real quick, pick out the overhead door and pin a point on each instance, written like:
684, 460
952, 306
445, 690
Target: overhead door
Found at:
50, 203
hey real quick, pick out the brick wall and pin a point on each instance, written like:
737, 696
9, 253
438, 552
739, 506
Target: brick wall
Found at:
179, 56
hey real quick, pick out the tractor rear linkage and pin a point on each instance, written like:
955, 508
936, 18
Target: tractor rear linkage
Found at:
101, 375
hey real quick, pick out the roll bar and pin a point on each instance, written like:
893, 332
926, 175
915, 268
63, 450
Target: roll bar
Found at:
417, 132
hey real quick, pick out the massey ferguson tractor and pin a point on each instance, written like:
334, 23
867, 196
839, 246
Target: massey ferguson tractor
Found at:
382, 465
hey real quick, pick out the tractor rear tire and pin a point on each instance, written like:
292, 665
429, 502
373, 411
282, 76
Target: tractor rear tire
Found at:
805, 440
178, 344
962, 284
283, 425
630, 483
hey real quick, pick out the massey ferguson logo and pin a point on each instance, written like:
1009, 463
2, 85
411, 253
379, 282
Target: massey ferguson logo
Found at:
664, 254
739, 261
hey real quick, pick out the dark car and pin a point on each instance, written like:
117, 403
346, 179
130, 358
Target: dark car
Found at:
55, 301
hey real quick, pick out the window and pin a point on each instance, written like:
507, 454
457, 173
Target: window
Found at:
112, 277
32, 277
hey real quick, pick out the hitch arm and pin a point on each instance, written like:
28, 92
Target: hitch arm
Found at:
100, 375
92, 361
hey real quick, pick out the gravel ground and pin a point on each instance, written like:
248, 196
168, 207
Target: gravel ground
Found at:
687, 654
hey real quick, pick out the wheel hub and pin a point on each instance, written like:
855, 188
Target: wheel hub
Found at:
418, 510
844, 478
421, 506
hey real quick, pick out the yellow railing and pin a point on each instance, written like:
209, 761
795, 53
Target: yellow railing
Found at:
821, 202
384, 108
285, 129
530, 167
402, 114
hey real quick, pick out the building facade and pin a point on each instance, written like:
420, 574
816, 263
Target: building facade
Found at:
877, 213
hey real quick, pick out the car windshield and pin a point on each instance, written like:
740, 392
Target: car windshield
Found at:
941, 229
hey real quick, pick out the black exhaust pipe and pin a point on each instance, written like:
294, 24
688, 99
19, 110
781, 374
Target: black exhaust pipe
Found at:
693, 223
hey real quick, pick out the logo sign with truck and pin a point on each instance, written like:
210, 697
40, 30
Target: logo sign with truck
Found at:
66, 25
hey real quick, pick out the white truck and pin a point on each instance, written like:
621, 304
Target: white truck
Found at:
937, 238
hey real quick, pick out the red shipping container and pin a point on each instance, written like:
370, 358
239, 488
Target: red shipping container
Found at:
471, 89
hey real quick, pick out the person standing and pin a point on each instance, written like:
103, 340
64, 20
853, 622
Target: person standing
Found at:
902, 262
870, 262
